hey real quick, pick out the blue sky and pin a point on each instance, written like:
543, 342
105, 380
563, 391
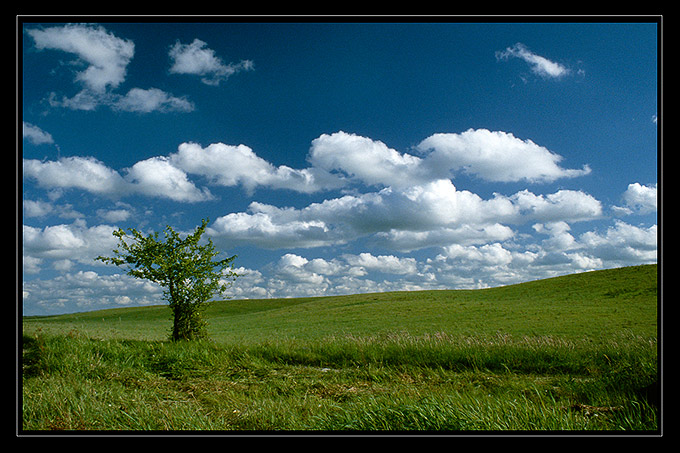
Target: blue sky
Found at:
337, 158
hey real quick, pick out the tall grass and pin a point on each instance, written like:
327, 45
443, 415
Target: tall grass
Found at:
391, 382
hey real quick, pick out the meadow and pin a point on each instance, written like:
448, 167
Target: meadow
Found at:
570, 354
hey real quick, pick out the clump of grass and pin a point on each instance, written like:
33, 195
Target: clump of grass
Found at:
497, 353
386, 382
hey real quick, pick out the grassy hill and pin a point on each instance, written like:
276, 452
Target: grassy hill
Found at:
572, 353
595, 304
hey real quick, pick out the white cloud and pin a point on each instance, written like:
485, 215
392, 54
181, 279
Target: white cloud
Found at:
433, 214
488, 254
539, 65
267, 231
74, 242
407, 241
296, 275
36, 135
340, 159
197, 59
229, 165
151, 100
389, 264
497, 264
106, 55
31, 265
458, 265
292, 268
42, 208
106, 58
153, 177
248, 285
560, 238
36, 208
330, 267
494, 156
440, 203
366, 160
581, 261
114, 215
88, 290
52, 240
622, 244
568, 205
415, 206
157, 177
337, 160
638, 199
86, 173
136, 100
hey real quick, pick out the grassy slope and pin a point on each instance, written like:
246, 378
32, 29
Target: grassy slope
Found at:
429, 360
595, 305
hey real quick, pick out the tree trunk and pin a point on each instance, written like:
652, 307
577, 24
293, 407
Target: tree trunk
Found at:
176, 324
187, 322
177, 313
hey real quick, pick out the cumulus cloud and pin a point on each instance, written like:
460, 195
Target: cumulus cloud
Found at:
106, 55
85, 173
495, 156
87, 290
150, 100
459, 265
389, 264
490, 155
291, 267
267, 229
489, 254
638, 199
366, 160
408, 241
229, 165
411, 204
560, 238
197, 59
106, 58
571, 205
75, 242
338, 160
622, 243
36, 208
462, 266
504, 263
250, 284
114, 215
341, 275
539, 65
432, 214
158, 177
153, 177
36, 135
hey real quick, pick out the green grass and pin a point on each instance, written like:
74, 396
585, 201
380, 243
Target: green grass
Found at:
571, 353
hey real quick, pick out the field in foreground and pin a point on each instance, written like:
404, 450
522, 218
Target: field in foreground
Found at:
571, 353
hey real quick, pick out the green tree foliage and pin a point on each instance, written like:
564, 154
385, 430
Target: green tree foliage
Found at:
184, 267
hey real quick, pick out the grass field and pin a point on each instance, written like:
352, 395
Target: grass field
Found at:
573, 353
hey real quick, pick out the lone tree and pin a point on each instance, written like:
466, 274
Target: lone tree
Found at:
183, 267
